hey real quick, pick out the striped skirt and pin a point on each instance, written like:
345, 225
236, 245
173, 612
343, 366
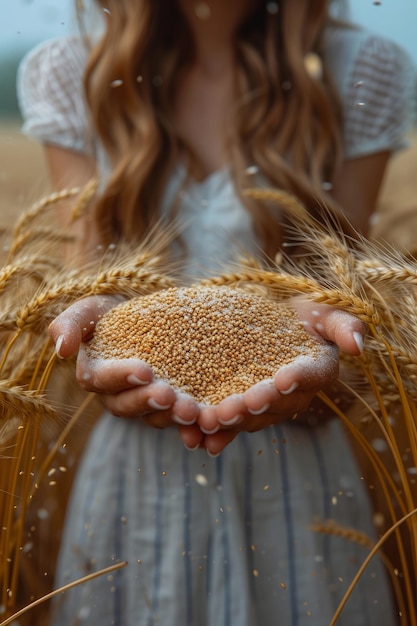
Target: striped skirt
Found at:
226, 541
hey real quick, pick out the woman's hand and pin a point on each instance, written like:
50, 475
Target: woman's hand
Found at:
293, 387
126, 387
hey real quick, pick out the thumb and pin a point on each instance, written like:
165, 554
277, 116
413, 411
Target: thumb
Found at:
77, 323
343, 329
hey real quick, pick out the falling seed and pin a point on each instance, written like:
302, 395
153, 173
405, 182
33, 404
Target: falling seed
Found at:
27, 547
379, 445
327, 186
84, 612
202, 10
313, 65
201, 480
272, 8
283, 585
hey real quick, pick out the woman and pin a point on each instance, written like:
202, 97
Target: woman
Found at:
185, 104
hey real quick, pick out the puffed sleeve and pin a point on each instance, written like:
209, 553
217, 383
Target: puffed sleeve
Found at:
379, 98
50, 94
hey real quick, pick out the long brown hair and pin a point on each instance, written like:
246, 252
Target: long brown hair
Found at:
286, 122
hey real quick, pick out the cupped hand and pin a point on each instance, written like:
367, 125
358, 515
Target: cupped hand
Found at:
127, 387
293, 387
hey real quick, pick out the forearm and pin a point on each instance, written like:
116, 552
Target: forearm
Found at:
357, 187
68, 169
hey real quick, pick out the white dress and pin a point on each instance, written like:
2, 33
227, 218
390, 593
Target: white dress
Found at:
223, 541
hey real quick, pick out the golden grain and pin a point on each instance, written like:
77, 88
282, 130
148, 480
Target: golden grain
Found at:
207, 341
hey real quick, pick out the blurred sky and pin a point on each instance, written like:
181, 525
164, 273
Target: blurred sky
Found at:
25, 22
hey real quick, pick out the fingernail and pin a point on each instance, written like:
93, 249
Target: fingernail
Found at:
212, 454
209, 432
259, 411
358, 339
286, 392
191, 449
155, 405
182, 422
233, 420
58, 346
134, 380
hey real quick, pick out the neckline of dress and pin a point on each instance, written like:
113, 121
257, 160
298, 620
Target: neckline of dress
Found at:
219, 174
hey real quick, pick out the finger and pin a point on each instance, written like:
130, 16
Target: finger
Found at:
77, 323
140, 401
230, 411
217, 442
111, 376
282, 409
308, 373
286, 407
208, 419
345, 330
191, 436
259, 397
341, 328
185, 410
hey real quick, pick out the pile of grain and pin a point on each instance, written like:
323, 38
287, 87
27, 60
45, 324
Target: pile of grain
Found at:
209, 342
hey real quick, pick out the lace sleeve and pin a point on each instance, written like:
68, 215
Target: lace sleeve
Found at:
50, 94
380, 98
